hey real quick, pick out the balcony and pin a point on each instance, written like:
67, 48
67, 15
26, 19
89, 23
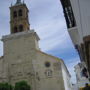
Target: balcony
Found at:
73, 32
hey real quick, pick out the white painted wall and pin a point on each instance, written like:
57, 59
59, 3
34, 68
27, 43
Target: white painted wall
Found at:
85, 16
66, 78
76, 11
81, 10
74, 87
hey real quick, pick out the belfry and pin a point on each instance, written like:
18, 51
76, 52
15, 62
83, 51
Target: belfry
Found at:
19, 17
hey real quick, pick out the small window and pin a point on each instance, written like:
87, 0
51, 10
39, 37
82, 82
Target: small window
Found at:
15, 29
48, 73
14, 14
47, 64
20, 28
20, 12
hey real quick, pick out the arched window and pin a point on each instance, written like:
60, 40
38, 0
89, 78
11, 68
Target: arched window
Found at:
20, 28
15, 29
20, 13
14, 14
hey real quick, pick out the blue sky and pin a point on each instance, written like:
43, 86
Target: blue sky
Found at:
46, 17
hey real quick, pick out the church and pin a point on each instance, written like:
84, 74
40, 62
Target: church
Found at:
23, 59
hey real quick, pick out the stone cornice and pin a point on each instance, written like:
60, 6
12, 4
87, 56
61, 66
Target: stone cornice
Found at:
21, 34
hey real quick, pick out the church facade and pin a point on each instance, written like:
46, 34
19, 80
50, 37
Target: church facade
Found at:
23, 59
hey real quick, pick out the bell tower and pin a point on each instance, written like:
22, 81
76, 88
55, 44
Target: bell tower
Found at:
19, 21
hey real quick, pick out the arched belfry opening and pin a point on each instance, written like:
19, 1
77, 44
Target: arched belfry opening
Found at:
14, 14
15, 29
20, 28
20, 12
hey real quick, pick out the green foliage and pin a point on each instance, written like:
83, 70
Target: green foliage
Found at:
22, 85
5, 86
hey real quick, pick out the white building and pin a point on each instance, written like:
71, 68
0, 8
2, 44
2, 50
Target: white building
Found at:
77, 15
81, 75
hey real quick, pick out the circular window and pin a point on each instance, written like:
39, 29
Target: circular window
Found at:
47, 64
